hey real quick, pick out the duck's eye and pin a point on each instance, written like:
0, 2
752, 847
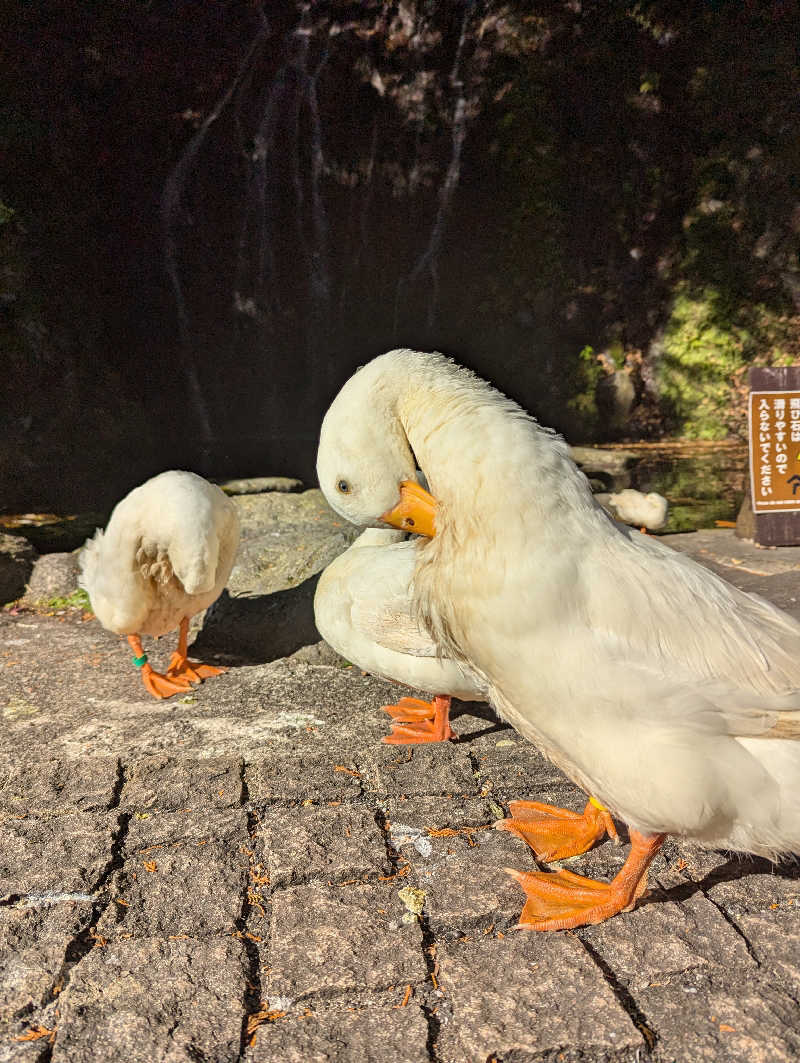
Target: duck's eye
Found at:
343, 486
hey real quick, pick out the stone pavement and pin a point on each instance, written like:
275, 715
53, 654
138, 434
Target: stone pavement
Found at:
247, 873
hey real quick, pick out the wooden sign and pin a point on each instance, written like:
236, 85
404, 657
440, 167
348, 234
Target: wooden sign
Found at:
774, 423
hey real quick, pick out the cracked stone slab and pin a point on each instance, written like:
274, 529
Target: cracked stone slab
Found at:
424, 814
774, 937
464, 881
528, 993
411, 770
184, 873
32, 783
510, 768
140, 1001
167, 783
63, 854
752, 885
325, 843
170, 892
373, 1035
457, 860
660, 939
33, 942
306, 776
706, 1023
345, 938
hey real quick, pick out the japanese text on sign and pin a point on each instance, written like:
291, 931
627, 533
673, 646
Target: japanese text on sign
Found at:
775, 450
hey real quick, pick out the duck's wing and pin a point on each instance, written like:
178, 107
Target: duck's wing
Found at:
381, 606
201, 541
662, 608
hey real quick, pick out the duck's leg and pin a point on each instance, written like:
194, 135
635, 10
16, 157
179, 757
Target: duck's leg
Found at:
556, 833
160, 686
561, 900
420, 721
180, 667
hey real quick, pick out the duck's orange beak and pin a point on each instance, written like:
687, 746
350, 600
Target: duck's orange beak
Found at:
415, 512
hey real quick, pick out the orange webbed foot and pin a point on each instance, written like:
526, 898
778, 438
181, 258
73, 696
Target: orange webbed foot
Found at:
160, 686
557, 833
163, 686
562, 900
180, 667
420, 721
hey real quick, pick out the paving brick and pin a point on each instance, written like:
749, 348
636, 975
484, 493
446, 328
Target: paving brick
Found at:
166, 783
462, 876
774, 938
343, 938
510, 768
141, 1001
528, 993
32, 783
291, 777
424, 770
62, 854
734, 1023
33, 943
753, 885
325, 843
662, 938
175, 891
183, 873
374, 1035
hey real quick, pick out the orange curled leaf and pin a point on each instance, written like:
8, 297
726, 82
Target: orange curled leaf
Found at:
397, 874
405, 999
347, 771
258, 1018
36, 1032
150, 865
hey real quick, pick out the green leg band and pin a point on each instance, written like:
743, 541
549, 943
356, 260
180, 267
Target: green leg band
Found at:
140, 661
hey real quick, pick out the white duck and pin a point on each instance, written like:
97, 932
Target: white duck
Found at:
651, 682
650, 511
363, 609
165, 555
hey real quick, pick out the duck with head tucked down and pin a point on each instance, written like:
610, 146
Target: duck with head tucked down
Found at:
363, 609
669, 695
164, 556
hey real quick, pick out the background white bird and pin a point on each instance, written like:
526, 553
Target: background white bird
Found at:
164, 556
650, 511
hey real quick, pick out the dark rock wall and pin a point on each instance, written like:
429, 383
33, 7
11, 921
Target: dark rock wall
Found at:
213, 212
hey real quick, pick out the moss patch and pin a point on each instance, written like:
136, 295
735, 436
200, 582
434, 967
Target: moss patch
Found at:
708, 346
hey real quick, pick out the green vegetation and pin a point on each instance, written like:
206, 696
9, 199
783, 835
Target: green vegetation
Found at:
709, 342
79, 599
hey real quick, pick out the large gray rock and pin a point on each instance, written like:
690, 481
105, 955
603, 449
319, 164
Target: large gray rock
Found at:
267, 609
610, 467
257, 485
53, 576
17, 558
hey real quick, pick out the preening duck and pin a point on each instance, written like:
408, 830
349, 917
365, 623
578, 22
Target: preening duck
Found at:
363, 609
668, 694
165, 555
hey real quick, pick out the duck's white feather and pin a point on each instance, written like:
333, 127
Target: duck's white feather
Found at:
363, 609
653, 683
165, 554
